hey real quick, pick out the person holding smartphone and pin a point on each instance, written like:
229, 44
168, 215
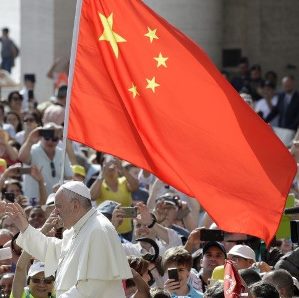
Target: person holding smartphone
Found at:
177, 262
115, 183
74, 259
40, 149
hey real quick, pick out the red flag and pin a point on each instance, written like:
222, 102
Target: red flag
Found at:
233, 286
144, 92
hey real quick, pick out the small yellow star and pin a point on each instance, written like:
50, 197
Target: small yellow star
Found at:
161, 60
151, 34
151, 84
108, 33
134, 91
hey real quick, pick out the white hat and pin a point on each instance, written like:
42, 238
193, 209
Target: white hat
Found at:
35, 268
50, 199
243, 251
77, 187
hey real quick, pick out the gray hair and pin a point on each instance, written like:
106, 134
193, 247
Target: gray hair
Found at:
281, 279
70, 195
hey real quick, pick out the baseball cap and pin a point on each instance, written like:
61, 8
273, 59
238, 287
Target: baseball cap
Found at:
168, 198
107, 207
213, 244
36, 268
243, 251
218, 273
79, 170
77, 187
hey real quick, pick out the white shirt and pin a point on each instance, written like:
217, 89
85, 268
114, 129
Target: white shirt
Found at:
262, 106
51, 176
25, 102
89, 260
20, 137
135, 249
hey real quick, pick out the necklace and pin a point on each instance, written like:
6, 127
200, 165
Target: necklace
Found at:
62, 257
76, 234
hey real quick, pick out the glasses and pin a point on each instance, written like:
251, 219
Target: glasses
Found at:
53, 170
30, 120
54, 139
47, 281
237, 258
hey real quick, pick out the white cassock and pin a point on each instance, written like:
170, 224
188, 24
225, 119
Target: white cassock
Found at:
89, 260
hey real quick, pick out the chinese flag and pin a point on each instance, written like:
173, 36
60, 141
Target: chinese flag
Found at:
233, 286
146, 93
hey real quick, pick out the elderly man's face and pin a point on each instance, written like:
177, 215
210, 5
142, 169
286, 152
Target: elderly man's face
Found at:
239, 262
64, 209
288, 84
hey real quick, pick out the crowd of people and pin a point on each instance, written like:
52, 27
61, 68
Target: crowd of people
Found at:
170, 245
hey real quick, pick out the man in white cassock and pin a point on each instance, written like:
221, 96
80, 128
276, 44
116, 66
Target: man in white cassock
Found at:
89, 261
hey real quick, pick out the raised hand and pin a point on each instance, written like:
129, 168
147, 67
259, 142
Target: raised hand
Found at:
117, 216
36, 173
144, 214
34, 135
17, 214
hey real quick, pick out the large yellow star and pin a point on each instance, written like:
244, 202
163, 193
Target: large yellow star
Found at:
108, 34
151, 84
134, 91
151, 34
161, 60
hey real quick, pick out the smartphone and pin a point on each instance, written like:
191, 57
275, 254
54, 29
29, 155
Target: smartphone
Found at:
30, 94
24, 170
211, 235
130, 212
294, 231
47, 133
173, 274
9, 196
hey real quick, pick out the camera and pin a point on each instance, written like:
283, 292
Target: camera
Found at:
173, 274
295, 231
47, 133
9, 196
130, 212
23, 170
211, 235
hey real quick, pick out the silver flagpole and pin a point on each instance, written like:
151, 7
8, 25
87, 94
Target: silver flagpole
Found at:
70, 83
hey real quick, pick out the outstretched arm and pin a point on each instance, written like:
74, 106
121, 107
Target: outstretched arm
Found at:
48, 247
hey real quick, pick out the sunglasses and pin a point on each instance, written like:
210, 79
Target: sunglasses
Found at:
54, 139
53, 170
47, 281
